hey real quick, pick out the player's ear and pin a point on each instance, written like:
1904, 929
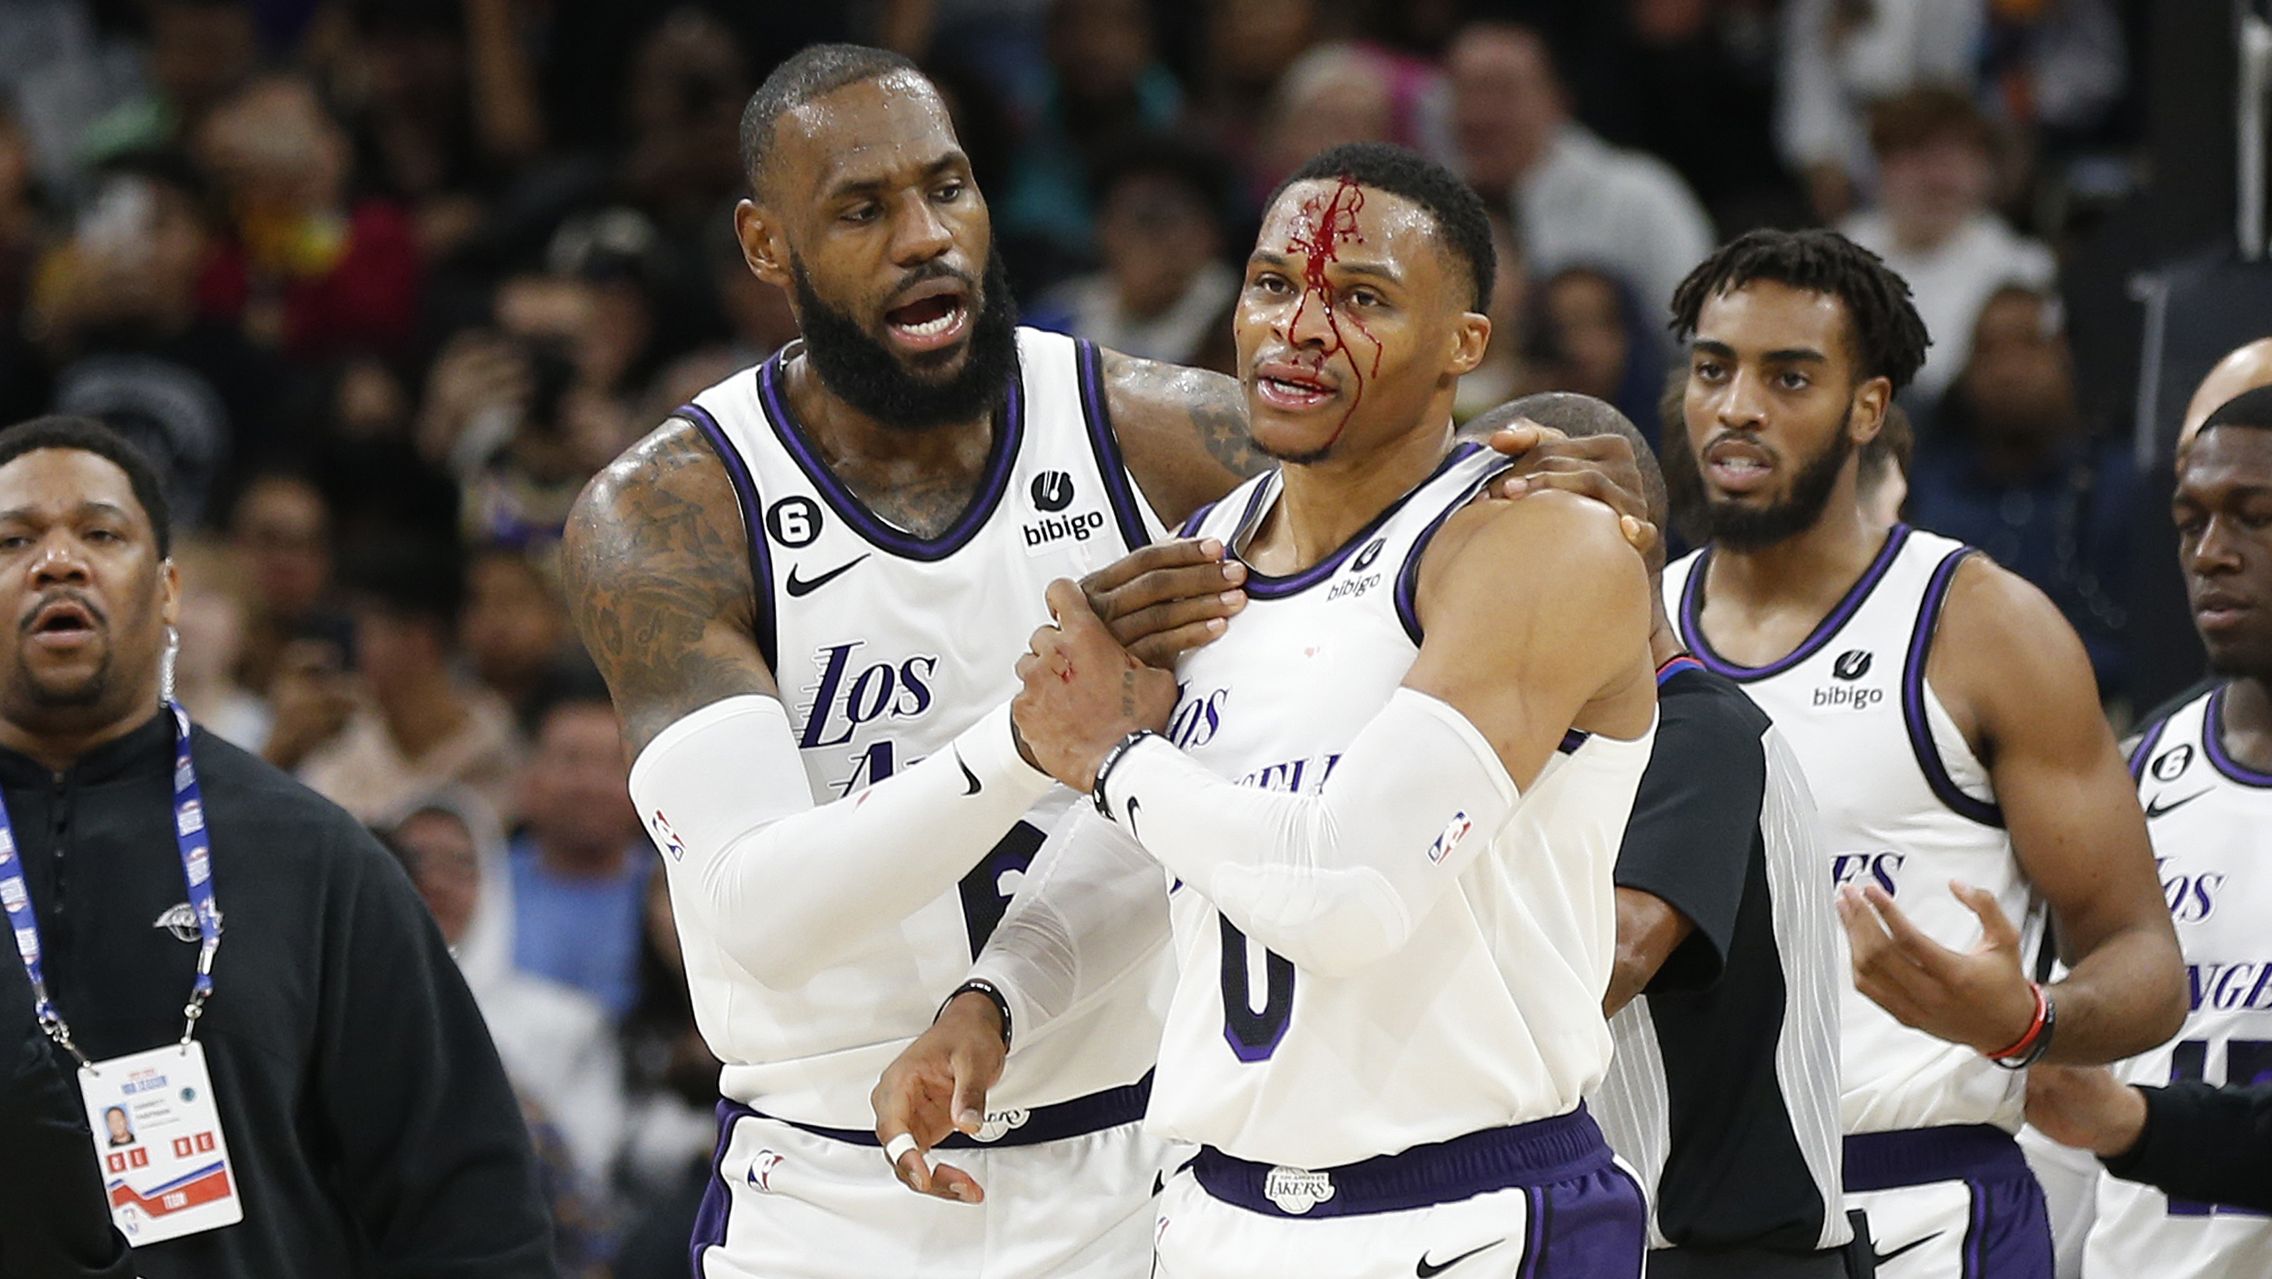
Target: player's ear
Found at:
1871, 399
1471, 337
763, 247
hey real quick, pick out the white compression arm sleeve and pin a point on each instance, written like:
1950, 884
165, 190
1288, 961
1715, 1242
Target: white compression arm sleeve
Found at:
1336, 880
787, 887
1093, 906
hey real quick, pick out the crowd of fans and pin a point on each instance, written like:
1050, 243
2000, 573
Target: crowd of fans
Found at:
381, 283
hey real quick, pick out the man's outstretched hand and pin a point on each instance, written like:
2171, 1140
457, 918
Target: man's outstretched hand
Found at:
936, 1087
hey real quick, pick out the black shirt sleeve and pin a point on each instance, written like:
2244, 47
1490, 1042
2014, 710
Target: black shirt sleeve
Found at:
433, 1158
54, 1221
2207, 1143
1695, 824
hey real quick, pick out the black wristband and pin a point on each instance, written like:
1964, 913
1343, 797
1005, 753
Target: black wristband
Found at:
1112, 759
992, 992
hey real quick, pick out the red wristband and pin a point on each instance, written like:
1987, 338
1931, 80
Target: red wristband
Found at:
2034, 1027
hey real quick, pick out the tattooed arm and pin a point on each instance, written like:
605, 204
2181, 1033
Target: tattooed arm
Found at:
656, 568
1183, 432
657, 575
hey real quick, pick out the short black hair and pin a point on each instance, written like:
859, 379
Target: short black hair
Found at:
1889, 338
1462, 225
87, 435
2249, 408
1578, 416
804, 75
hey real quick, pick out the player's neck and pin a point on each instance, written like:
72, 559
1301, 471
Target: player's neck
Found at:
1664, 641
864, 451
2247, 726
1812, 568
1324, 504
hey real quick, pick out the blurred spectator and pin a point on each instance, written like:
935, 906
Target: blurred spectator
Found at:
1587, 335
281, 531
673, 1084
2017, 470
1578, 200
1165, 288
1103, 82
214, 619
415, 727
1840, 56
682, 161
580, 863
118, 312
1933, 223
1693, 83
1505, 372
199, 52
315, 271
1250, 46
515, 629
23, 229
1881, 470
558, 1045
2056, 66
1334, 93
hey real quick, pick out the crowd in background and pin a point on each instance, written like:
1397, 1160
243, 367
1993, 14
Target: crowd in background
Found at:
381, 283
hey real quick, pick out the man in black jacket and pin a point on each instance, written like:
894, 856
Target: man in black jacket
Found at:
368, 1127
56, 1225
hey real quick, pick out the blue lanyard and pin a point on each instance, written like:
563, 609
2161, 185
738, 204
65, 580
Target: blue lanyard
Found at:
196, 868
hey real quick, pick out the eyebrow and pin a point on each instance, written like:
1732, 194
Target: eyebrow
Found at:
872, 186
1371, 270
1781, 355
110, 509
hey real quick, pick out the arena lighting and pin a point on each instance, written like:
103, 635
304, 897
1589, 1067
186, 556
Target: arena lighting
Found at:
2253, 18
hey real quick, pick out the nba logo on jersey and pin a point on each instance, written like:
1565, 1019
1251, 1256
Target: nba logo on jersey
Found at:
1297, 1191
667, 838
1454, 831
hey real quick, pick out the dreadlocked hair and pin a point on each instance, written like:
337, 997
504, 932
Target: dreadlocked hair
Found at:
1889, 339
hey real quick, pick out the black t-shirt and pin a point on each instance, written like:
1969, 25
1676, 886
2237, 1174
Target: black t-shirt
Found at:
369, 1124
1720, 1007
54, 1223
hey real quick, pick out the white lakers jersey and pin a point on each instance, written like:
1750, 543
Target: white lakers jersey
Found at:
885, 646
1491, 1015
1904, 805
2211, 822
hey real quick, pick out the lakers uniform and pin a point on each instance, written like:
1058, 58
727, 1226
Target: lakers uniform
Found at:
2211, 822
885, 646
1424, 1110
1904, 805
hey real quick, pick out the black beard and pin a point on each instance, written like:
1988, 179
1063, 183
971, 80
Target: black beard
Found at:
1743, 528
865, 374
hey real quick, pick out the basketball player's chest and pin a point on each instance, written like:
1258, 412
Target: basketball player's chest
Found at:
1276, 700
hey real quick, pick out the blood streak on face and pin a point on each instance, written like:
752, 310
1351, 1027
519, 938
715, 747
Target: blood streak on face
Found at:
1326, 223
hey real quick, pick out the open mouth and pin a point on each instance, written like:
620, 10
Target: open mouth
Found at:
935, 317
1737, 465
61, 623
1292, 386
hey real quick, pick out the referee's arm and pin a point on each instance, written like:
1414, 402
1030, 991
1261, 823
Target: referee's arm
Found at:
2205, 1143
432, 1157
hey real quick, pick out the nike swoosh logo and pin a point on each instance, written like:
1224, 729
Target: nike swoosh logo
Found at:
1428, 1268
1128, 817
967, 775
2155, 807
799, 587
1911, 1246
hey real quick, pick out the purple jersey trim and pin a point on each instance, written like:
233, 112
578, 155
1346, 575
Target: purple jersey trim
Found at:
2213, 740
1913, 698
1564, 1148
1407, 592
717, 1200
2144, 750
1096, 414
1692, 614
1263, 586
1191, 526
753, 522
1916, 1156
1001, 461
